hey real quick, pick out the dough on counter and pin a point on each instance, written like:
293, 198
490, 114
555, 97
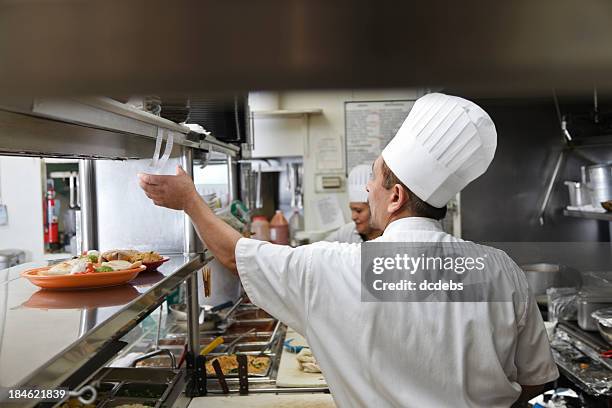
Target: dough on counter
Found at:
307, 362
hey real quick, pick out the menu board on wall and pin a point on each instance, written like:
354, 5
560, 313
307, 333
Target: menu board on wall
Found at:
369, 126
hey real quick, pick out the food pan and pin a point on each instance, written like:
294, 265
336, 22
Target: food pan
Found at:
136, 402
262, 325
141, 390
251, 315
265, 373
590, 301
143, 374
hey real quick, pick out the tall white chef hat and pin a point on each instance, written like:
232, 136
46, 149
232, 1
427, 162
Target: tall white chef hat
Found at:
444, 144
357, 180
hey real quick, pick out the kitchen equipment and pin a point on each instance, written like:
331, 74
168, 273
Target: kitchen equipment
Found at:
220, 376
295, 172
83, 281
156, 353
243, 374
225, 116
230, 347
599, 183
561, 304
208, 320
11, 257
591, 300
296, 224
578, 193
542, 276
291, 348
180, 309
603, 317
213, 345
148, 386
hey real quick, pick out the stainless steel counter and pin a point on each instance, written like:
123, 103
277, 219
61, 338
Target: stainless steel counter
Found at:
48, 336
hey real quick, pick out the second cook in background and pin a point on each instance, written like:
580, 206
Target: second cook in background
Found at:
359, 229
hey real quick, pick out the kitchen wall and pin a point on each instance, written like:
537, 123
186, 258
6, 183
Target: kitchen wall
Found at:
330, 124
503, 204
21, 191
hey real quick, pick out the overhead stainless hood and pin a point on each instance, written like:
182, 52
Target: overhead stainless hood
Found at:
136, 47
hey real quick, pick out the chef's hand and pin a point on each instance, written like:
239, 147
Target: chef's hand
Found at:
179, 193
176, 192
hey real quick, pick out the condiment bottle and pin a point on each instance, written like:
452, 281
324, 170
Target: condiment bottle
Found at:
279, 229
296, 223
260, 228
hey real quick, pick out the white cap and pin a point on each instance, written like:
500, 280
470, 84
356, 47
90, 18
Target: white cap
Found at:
357, 180
444, 144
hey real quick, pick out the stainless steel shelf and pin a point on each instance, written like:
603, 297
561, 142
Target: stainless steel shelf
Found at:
588, 215
284, 113
52, 339
94, 127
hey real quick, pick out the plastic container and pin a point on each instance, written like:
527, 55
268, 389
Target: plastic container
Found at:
590, 300
279, 229
260, 228
296, 223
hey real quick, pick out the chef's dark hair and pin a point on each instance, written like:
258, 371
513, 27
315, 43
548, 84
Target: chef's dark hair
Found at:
417, 207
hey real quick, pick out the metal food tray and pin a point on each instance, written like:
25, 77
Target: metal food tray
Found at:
265, 374
122, 386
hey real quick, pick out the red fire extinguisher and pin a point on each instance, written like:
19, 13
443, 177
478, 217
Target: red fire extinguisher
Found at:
45, 223
52, 218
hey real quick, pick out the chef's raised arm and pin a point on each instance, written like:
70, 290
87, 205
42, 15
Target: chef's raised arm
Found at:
274, 276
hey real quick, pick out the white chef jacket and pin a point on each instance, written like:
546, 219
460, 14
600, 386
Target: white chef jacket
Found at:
400, 354
346, 233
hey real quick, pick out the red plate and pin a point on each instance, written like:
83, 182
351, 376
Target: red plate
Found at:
84, 281
152, 266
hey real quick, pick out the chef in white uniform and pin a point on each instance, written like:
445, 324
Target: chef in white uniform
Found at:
359, 229
394, 354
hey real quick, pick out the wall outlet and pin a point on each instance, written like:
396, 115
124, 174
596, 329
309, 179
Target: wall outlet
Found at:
3, 215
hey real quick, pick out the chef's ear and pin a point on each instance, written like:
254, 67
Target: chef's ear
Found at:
398, 198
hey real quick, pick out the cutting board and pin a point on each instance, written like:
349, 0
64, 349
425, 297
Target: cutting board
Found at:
289, 373
318, 400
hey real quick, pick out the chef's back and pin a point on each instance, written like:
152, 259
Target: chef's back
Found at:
427, 354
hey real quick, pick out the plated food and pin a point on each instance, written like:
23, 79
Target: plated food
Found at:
229, 365
94, 269
151, 259
91, 262
131, 255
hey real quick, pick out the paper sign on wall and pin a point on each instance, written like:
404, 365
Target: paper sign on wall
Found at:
327, 152
369, 127
329, 213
